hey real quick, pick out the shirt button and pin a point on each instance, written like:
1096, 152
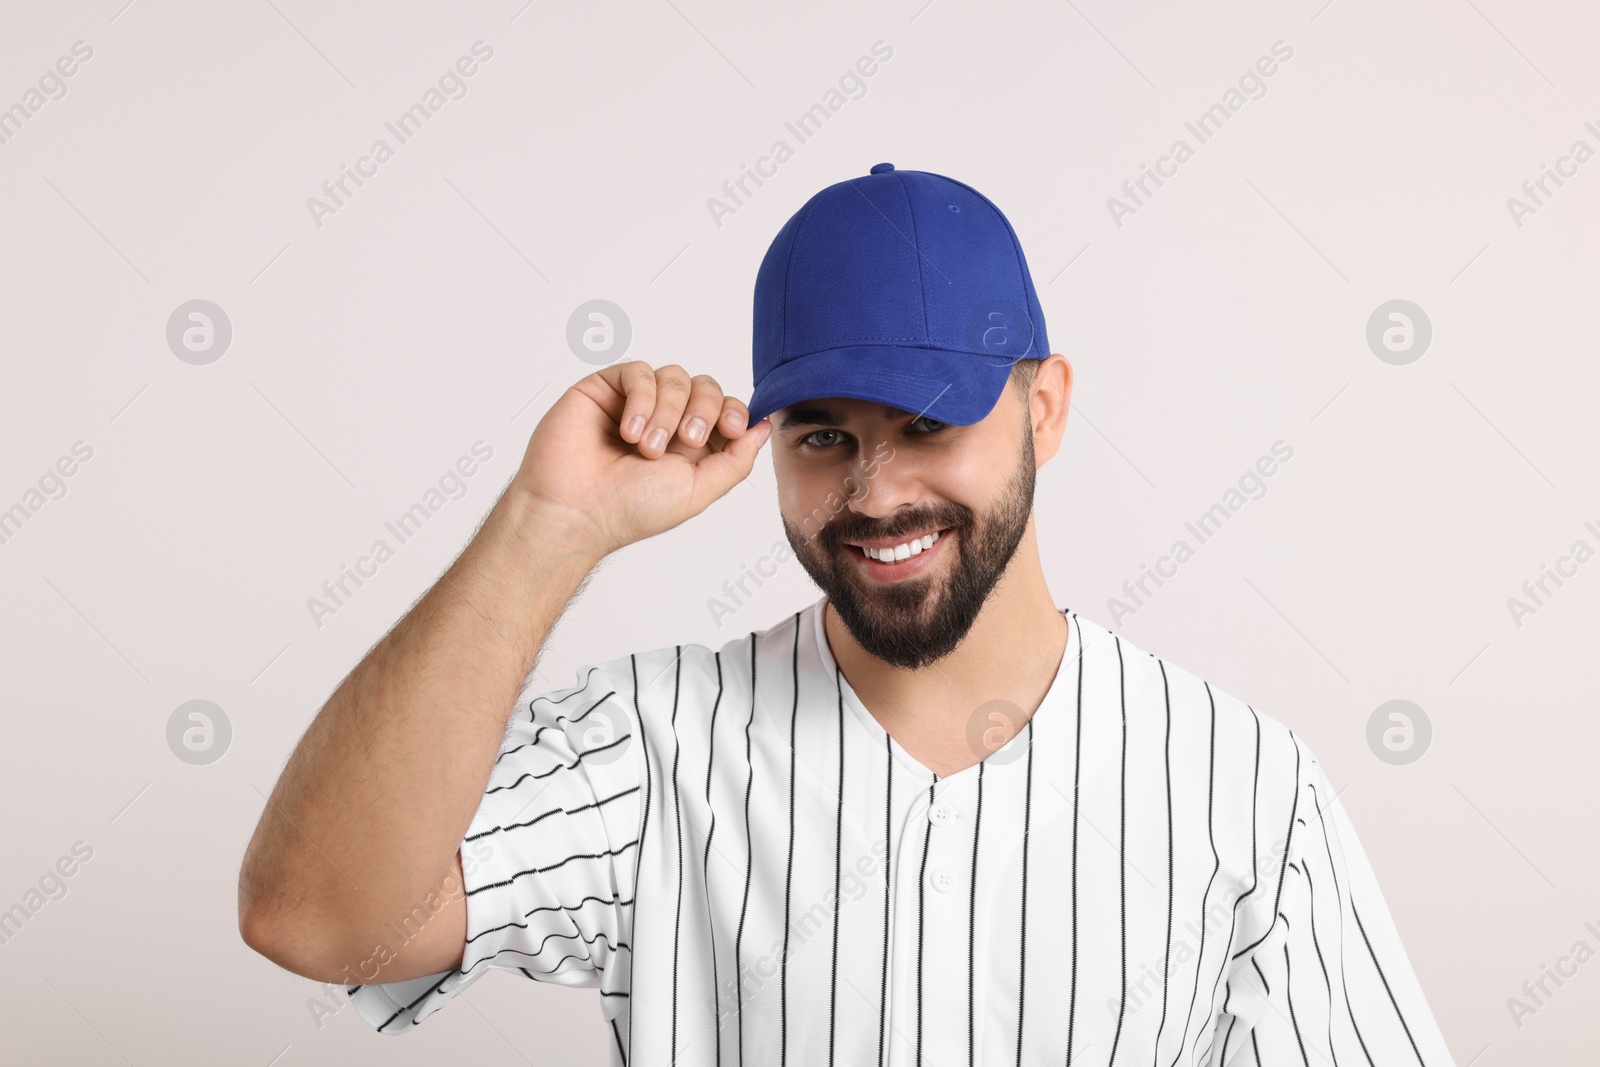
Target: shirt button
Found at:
941, 814
942, 879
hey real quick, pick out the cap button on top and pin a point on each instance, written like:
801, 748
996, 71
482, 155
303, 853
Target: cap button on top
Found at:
880, 168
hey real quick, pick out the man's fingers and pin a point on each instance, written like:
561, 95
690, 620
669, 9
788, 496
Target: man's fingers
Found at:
655, 406
700, 414
717, 472
638, 384
734, 417
672, 388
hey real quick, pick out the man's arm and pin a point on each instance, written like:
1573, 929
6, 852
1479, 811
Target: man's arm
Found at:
1330, 980
367, 819
368, 815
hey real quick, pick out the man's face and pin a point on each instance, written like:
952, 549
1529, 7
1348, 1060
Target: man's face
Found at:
852, 471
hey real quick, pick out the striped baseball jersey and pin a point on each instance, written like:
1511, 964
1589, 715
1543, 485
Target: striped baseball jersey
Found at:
751, 871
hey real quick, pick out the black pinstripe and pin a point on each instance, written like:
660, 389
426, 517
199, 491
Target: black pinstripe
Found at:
1122, 848
1022, 934
1278, 897
749, 849
788, 877
972, 925
1077, 807
888, 880
1384, 978
838, 871
644, 825
1216, 865
1327, 981
705, 864
1166, 697
922, 885
1255, 878
677, 811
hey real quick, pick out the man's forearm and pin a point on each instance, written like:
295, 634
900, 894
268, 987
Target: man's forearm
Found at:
372, 806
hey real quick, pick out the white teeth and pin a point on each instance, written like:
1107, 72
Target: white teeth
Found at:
905, 551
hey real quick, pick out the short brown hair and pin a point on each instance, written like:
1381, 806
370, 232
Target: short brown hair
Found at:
1022, 372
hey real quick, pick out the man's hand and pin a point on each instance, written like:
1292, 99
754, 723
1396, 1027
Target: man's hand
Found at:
630, 452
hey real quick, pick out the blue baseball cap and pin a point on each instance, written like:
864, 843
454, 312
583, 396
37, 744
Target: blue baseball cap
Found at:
901, 287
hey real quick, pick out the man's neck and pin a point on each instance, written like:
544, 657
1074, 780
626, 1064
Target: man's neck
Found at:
1011, 653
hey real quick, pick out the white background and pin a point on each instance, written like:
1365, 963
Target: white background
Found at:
430, 311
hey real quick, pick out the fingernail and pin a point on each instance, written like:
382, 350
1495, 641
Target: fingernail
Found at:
696, 428
658, 439
635, 425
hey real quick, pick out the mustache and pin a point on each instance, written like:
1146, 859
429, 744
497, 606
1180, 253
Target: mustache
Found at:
835, 537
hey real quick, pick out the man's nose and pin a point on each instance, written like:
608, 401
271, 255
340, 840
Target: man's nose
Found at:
882, 482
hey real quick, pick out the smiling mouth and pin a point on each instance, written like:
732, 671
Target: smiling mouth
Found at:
909, 549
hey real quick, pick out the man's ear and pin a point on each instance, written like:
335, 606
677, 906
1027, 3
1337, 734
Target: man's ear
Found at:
1049, 403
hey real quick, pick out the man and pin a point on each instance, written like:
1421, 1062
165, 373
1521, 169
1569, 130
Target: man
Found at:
930, 818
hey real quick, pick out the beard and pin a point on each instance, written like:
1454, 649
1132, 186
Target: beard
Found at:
917, 621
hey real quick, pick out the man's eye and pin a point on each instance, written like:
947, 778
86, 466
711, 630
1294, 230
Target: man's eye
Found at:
807, 439
931, 426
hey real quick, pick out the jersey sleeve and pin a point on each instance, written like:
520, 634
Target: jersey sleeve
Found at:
548, 860
1329, 982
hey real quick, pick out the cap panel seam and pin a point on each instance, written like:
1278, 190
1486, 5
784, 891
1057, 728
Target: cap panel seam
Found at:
843, 342
788, 267
916, 246
847, 342
1016, 252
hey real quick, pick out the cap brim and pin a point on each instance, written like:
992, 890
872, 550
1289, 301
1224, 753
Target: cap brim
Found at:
954, 387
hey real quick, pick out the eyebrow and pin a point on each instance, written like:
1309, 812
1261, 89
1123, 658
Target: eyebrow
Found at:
824, 417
